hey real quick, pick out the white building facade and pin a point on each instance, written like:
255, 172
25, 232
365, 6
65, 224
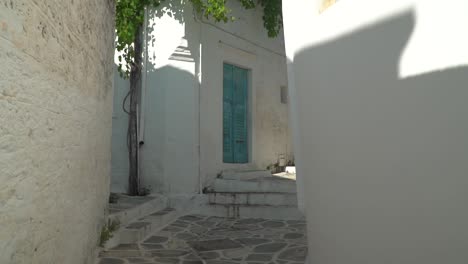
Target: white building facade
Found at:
378, 96
214, 98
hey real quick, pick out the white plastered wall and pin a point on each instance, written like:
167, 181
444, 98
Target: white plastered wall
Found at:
380, 101
243, 43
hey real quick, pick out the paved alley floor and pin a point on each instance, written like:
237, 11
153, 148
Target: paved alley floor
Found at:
197, 239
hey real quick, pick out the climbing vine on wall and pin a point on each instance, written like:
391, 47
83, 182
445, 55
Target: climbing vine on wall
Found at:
130, 17
272, 16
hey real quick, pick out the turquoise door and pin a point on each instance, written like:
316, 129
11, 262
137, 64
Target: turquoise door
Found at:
235, 90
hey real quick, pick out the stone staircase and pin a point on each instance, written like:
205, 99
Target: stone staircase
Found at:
148, 222
252, 194
138, 217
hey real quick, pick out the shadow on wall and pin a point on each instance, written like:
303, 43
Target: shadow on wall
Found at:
170, 118
389, 155
171, 110
170, 126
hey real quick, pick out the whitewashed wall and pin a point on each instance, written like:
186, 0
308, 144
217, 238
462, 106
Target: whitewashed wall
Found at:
183, 99
55, 115
120, 165
269, 129
380, 99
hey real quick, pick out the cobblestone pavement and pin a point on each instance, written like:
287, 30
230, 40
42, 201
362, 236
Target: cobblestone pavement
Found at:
197, 239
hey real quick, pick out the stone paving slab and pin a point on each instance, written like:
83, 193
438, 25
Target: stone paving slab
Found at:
199, 239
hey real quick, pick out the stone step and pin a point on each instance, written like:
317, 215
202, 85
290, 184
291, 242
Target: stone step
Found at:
264, 184
245, 174
252, 211
129, 208
137, 230
252, 199
120, 251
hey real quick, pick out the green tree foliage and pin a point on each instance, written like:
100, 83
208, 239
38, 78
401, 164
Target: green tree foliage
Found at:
130, 16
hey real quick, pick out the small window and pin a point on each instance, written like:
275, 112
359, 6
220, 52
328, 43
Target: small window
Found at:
284, 94
326, 4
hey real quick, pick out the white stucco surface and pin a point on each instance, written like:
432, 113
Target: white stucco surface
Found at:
182, 152
120, 165
380, 98
55, 114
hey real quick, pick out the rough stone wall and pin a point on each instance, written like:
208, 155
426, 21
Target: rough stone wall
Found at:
55, 114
